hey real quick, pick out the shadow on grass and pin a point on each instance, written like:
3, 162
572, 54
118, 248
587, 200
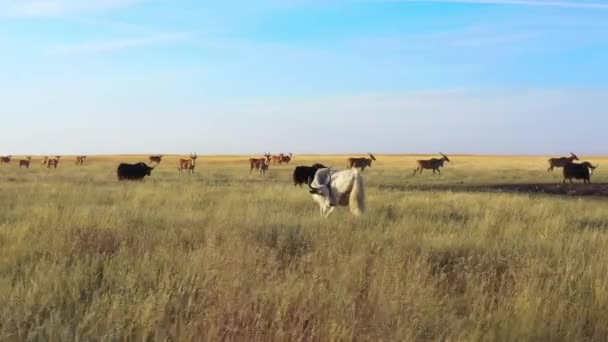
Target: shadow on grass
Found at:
552, 189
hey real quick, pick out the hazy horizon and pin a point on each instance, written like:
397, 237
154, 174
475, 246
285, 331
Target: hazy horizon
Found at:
488, 77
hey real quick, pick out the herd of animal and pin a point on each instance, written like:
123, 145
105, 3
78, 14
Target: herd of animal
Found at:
329, 187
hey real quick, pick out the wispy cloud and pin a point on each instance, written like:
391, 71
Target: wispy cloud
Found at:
540, 3
101, 46
44, 8
468, 37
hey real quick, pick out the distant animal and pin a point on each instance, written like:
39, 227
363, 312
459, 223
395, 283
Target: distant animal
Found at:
578, 171
277, 158
133, 172
360, 163
264, 167
156, 159
258, 163
331, 188
286, 158
53, 162
188, 164
561, 162
434, 164
305, 174
45, 161
25, 162
80, 160
5, 160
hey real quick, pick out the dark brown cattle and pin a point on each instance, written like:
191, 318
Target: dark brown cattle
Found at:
53, 162
5, 160
286, 158
156, 159
25, 162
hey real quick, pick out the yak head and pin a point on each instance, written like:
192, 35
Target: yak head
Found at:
147, 169
321, 190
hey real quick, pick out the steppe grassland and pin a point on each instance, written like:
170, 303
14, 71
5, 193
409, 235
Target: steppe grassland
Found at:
222, 255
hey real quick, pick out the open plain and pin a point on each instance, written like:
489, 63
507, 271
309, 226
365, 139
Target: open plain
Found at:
493, 249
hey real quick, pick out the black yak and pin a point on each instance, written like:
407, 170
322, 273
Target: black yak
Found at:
305, 174
133, 171
578, 171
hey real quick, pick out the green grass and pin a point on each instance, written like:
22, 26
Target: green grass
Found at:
222, 255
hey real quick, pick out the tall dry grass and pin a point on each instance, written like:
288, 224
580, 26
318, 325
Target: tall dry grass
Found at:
222, 255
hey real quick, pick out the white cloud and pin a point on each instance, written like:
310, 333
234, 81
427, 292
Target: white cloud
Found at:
42, 8
95, 47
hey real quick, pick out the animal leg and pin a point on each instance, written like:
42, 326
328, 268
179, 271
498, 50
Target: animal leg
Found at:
328, 211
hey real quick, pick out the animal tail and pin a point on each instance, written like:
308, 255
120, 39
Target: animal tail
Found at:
357, 195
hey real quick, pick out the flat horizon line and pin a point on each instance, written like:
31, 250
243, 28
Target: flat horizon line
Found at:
299, 154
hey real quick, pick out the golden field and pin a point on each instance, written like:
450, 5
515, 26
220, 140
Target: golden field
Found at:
222, 255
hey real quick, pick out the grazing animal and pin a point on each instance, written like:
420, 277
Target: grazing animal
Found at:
156, 159
188, 164
45, 161
53, 162
133, 172
432, 164
25, 162
578, 171
361, 163
80, 160
286, 158
5, 160
332, 188
277, 158
561, 162
305, 174
259, 163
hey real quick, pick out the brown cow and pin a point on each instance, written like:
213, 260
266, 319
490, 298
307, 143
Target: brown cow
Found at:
45, 161
25, 162
6, 159
53, 162
286, 158
156, 159
261, 164
361, 163
80, 160
188, 164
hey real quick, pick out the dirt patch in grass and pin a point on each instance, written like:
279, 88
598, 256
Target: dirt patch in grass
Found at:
575, 190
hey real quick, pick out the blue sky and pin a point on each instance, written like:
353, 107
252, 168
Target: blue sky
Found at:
306, 76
